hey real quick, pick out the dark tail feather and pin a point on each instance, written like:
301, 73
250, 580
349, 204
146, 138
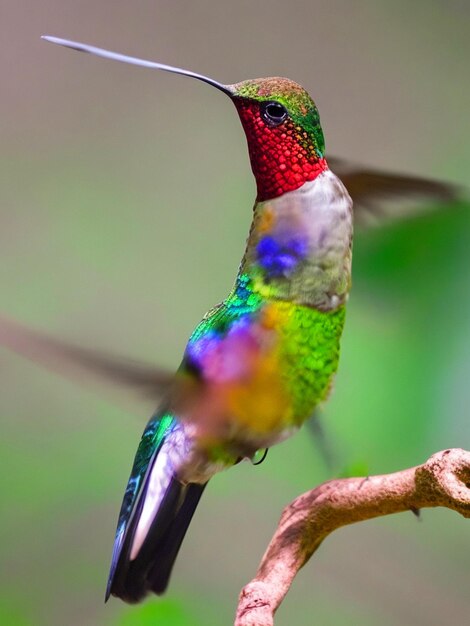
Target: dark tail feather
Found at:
168, 548
151, 569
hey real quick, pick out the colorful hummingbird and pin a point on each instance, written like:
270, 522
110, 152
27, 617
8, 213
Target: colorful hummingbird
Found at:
259, 363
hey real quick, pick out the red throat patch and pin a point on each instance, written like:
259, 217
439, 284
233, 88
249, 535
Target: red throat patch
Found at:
283, 157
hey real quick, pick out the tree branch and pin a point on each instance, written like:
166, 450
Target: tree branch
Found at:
444, 480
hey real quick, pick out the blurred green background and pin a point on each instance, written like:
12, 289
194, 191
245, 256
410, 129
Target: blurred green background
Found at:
125, 200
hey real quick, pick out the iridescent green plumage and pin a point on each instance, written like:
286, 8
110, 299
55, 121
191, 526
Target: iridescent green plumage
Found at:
303, 341
310, 348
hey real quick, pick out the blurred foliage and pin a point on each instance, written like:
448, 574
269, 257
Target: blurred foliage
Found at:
167, 612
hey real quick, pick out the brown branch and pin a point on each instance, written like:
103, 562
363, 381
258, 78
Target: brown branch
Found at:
444, 480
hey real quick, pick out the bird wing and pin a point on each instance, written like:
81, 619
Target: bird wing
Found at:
83, 364
380, 196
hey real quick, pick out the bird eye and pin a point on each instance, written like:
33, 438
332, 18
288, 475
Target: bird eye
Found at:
273, 113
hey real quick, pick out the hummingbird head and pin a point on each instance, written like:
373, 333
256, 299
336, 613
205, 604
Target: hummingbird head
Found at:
280, 120
283, 131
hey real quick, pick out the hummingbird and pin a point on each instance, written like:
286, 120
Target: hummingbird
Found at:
260, 362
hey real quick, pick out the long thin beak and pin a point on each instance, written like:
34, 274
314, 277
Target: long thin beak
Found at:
115, 56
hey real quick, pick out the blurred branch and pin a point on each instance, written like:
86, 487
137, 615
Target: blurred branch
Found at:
444, 480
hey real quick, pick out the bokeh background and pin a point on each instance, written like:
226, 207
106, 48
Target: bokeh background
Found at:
125, 200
